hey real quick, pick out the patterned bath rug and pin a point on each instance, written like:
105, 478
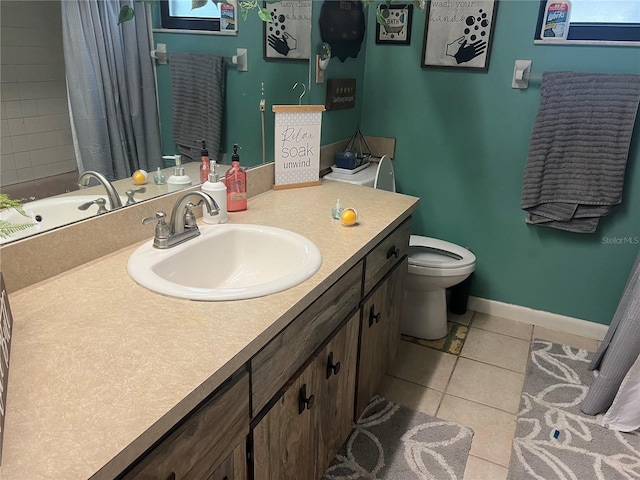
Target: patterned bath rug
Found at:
451, 343
391, 442
554, 439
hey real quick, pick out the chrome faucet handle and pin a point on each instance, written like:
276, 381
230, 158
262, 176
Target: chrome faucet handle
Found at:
101, 202
130, 194
189, 217
161, 238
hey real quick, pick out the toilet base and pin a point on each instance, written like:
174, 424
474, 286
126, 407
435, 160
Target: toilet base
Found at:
425, 314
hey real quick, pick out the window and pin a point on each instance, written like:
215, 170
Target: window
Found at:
214, 17
597, 21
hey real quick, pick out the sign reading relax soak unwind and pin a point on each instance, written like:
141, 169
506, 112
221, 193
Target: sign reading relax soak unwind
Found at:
297, 145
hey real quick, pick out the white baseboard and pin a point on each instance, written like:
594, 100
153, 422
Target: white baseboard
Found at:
540, 318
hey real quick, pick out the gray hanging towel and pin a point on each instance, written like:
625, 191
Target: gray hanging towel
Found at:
578, 149
197, 102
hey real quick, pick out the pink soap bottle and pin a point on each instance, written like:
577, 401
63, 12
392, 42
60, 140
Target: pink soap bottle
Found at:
236, 180
204, 165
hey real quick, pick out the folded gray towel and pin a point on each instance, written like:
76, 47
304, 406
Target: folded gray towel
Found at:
578, 149
197, 102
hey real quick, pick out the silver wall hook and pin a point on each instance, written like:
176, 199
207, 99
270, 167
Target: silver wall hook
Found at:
304, 90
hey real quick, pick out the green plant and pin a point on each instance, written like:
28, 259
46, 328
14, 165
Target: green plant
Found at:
7, 228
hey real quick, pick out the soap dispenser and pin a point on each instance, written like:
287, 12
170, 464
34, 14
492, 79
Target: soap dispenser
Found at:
179, 180
204, 163
218, 191
236, 180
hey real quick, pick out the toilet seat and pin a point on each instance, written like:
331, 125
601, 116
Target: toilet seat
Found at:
430, 256
385, 177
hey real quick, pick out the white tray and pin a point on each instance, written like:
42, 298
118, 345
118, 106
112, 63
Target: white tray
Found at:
346, 171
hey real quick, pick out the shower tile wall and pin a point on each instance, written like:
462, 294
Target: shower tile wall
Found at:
36, 134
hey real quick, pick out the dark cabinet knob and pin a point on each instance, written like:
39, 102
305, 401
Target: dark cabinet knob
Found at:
373, 317
305, 402
332, 368
393, 252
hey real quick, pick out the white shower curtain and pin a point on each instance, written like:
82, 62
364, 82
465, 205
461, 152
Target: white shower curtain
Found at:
619, 349
111, 86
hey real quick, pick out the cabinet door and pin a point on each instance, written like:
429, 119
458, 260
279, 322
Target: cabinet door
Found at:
337, 369
234, 467
379, 334
284, 440
203, 440
303, 431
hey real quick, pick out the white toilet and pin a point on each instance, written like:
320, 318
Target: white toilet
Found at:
434, 265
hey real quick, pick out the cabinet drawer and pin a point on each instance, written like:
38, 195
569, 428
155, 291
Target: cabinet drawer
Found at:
203, 440
275, 364
386, 254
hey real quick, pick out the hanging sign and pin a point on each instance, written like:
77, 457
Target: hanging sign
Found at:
297, 145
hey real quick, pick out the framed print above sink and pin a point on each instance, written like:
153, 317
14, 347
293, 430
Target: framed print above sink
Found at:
459, 34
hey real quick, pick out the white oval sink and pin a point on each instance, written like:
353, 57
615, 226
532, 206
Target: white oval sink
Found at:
50, 213
227, 262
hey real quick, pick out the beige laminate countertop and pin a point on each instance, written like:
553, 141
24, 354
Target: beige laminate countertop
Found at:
101, 367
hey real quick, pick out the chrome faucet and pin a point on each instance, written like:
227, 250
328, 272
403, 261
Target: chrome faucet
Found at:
182, 226
112, 194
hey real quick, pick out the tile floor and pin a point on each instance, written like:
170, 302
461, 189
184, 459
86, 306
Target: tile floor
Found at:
479, 389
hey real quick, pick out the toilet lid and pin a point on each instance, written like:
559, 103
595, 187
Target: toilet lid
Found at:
385, 179
431, 252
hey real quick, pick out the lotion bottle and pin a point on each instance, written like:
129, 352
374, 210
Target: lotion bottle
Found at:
218, 191
179, 180
204, 163
236, 180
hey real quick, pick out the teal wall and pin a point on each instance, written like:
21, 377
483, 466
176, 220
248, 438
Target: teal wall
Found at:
337, 124
242, 116
462, 140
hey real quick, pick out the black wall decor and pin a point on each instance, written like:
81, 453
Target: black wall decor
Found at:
342, 26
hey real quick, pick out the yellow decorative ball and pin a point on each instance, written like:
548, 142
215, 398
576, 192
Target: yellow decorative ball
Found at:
349, 216
139, 177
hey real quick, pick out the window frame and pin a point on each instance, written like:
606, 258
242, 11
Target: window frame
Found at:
593, 33
186, 23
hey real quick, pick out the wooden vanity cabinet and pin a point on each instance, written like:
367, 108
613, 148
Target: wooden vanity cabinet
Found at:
308, 424
383, 286
207, 443
379, 334
234, 466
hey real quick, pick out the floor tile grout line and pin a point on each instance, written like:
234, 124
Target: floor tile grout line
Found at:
497, 366
484, 404
493, 462
455, 364
504, 334
416, 383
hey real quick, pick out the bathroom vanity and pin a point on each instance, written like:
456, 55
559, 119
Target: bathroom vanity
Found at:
110, 380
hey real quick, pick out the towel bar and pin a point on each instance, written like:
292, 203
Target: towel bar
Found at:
522, 75
239, 59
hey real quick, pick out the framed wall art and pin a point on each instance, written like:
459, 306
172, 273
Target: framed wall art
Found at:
397, 31
459, 34
289, 36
